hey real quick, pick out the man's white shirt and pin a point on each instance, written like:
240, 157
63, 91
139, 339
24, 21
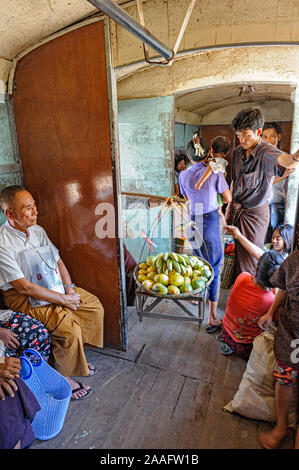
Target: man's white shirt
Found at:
12, 245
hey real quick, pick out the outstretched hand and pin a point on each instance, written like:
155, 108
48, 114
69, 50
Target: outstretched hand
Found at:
232, 230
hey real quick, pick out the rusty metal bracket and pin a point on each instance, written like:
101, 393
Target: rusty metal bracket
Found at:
178, 40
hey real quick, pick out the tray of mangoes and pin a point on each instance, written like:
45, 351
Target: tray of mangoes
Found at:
173, 275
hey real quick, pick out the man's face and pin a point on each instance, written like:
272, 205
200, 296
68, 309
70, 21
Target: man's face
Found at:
270, 135
248, 138
22, 211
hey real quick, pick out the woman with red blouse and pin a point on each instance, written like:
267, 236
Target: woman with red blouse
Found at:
250, 299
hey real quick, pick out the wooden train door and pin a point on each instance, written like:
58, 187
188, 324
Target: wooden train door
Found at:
62, 104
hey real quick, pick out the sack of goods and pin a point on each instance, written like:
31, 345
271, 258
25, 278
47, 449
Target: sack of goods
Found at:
174, 274
255, 397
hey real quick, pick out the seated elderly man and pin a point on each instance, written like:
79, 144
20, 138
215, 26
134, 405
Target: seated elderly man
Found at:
35, 281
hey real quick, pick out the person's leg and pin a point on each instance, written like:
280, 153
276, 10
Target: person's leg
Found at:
253, 225
213, 320
67, 353
212, 251
283, 395
90, 318
285, 380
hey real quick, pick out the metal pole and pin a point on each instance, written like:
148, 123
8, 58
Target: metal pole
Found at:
120, 16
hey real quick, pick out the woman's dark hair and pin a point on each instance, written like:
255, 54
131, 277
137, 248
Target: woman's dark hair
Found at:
178, 157
286, 231
250, 118
220, 144
268, 263
192, 153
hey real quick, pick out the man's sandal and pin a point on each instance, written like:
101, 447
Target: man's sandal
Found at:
78, 389
219, 337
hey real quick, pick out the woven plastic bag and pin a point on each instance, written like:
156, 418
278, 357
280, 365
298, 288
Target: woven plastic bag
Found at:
255, 397
52, 391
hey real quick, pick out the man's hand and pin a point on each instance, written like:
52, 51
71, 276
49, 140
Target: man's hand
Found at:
69, 290
71, 301
9, 338
232, 230
10, 368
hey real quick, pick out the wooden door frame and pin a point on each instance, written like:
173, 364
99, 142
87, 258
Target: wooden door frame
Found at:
114, 145
115, 156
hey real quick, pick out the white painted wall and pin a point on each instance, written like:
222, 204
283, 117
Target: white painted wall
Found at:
272, 110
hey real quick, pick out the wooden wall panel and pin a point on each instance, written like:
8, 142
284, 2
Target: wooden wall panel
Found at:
62, 118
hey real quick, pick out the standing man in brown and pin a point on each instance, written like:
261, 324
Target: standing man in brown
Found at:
254, 165
71, 315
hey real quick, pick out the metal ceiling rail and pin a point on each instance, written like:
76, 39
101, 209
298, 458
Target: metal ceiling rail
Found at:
120, 16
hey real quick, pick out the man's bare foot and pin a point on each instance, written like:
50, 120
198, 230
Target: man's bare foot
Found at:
81, 391
92, 369
272, 439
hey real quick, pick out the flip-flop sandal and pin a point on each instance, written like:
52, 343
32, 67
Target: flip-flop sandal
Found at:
213, 328
92, 371
219, 337
78, 389
226, 350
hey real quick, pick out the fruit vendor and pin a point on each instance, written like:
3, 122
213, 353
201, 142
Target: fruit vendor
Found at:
70, 314
254, 165
205, 215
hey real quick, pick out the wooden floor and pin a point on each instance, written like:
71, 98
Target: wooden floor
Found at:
166, 392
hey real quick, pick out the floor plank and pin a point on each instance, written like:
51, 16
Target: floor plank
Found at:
167, 391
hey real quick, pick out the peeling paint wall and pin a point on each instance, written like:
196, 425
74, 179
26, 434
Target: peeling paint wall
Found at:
4, 71
213, 23
271, 64
146, 144
272, 110
7, 154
